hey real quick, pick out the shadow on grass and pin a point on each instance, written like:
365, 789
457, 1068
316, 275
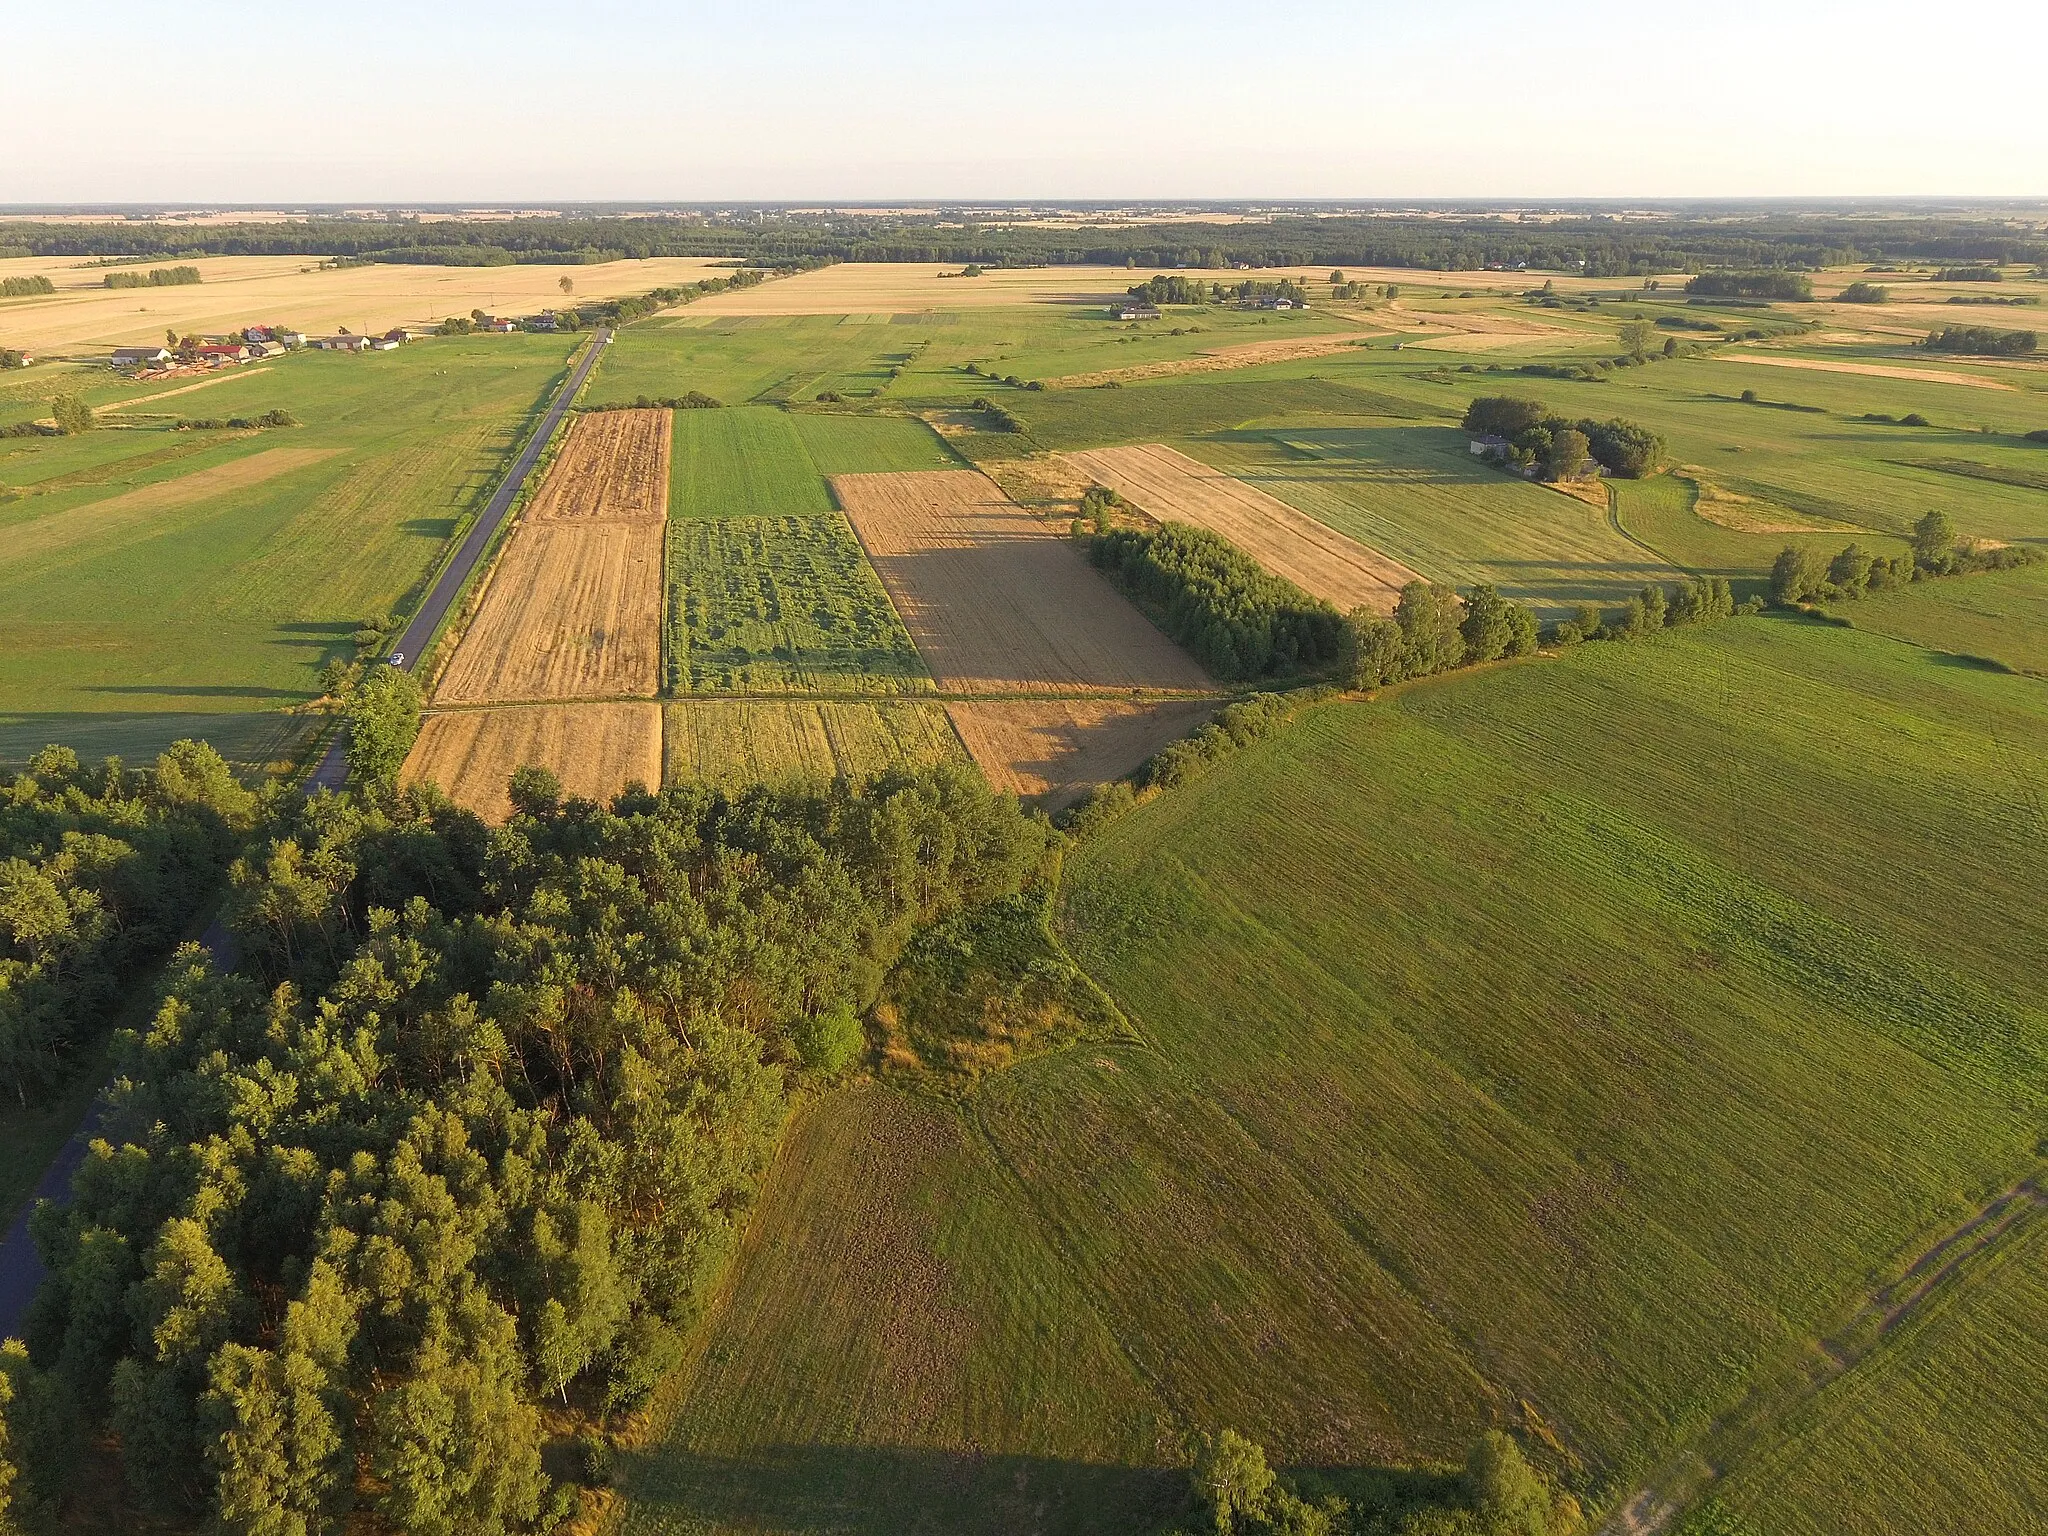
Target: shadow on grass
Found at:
887, 1491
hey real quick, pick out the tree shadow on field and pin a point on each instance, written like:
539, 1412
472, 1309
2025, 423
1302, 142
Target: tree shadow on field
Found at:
898, 1491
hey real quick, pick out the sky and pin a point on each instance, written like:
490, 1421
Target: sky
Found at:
777, 100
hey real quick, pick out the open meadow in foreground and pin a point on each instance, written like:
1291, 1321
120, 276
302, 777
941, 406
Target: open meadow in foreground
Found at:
1556, 1047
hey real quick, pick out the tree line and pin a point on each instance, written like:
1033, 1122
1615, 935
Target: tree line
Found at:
101, 868
156, 277
1772, 284
1540, 439
25, 287
1172, 288
1805, 575
474, 1125
1981, 340
1234, 616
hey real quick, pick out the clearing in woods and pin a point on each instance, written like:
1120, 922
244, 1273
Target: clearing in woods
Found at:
781, 604
1056, 750
1314, 556
613, 466
596, 750
750, 741
996, 601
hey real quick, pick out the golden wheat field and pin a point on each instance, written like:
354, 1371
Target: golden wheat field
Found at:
744, 741
995, 599
1315, 557
234, 291
596, 750
613, 466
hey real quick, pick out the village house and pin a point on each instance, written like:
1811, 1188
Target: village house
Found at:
1134, 311
1488, 446
140, 357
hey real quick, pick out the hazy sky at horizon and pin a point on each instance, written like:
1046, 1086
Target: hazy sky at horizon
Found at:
371, 100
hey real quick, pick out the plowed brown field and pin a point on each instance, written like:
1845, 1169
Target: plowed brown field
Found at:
573, 610
1316, 558
1058, 749
995, 599
612, 467
595, 749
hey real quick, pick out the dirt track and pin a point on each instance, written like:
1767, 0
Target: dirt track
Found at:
1318, 559
595, 749
995, 599
613, 467
1058, 749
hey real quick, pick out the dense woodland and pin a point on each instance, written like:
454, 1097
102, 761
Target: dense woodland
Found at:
1236, 618
101, 870
473, 1127
1594, 241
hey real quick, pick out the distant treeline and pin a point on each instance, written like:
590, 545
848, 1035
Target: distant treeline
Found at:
1982, 340
1596, 244
1969, 275
156, 277
1752, 285
1173, 289
23, 287
1235, 617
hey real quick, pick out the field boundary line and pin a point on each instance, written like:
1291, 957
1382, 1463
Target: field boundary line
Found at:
1692, 1470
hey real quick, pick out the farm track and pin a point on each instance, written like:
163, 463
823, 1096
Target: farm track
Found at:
1692, 1471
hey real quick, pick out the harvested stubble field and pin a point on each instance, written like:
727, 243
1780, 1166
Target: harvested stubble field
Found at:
1056, 750
754, 741
613, 467
596, 750
1324, 563
773, 604
573, 610
995, 599
1868, 370
1251, 354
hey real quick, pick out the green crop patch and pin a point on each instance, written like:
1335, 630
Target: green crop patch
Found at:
859, 445
749, 462
2000, 618
1090, 418
781, 604
737, 742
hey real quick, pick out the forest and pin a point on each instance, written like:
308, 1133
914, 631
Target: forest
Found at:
472, 1127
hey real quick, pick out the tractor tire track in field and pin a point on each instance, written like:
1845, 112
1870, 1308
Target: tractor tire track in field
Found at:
21, 1267
1692, 1471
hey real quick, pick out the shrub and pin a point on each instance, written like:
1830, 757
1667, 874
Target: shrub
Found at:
1863, 293
1981, 340
73, 415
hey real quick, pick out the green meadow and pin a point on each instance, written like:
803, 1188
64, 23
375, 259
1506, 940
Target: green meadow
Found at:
132, 603
747, 462
1554, 1047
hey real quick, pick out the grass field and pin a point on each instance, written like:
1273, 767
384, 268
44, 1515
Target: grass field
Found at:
861, 445
224, 596
2002, 617
781, 604
1091, 418
1417, 495
1555, 1046
743, 463
749, 741
1939, 1430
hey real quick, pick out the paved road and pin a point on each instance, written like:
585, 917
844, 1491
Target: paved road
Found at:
21, 1269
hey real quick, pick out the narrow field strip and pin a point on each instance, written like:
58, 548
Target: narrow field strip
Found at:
1315, 557
1056, 750
996, 601
596, 750
613, 467
1869, 370
747, 741
1251, 354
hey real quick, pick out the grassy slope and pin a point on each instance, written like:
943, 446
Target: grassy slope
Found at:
2002, 617
233, 603
780, 604
1940, 1430
1578, 1062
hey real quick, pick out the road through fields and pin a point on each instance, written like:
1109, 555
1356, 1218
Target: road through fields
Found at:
21, 1268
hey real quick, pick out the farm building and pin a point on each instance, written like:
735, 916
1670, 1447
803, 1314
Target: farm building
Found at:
1487, 446
385, 344
1134, 311
222, 352
140, 357
289, 338
343, 344
397, 335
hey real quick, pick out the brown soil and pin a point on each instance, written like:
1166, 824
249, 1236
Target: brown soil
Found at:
573, 610
595, 749
613, 466
1873, 370
1056, 750
1221, 359
98, 520
1316, 558
995, 599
